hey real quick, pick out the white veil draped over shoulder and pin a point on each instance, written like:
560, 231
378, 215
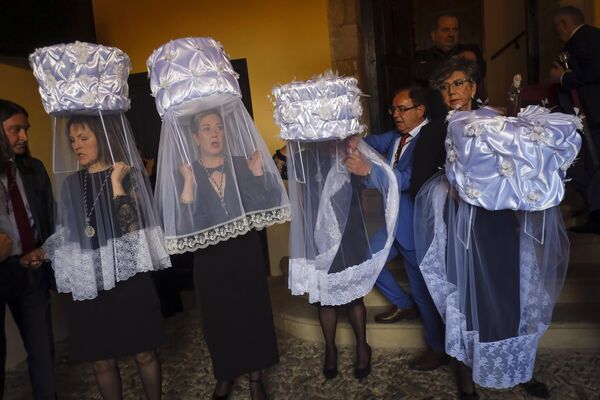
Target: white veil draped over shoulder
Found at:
334, 215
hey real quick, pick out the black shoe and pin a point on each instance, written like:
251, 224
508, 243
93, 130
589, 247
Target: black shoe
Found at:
362, 373
215, 396
330, 373
536, 388
257, 390
468, 396
394, 314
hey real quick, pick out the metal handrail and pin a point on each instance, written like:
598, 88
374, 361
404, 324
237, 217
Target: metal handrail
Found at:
514, 41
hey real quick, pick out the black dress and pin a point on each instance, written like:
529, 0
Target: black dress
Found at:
232, 291
122, 321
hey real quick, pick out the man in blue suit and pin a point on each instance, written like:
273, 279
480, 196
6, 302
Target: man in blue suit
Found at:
414, 136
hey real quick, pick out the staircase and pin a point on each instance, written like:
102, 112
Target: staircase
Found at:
575, 323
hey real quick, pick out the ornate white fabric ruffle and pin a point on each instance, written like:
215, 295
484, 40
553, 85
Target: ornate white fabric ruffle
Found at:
81, 76
502, 363
336, 288
311, 275
325, 107
188, 69
84, 272
498, 162
229, 230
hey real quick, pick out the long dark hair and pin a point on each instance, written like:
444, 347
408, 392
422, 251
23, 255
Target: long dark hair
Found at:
7, 110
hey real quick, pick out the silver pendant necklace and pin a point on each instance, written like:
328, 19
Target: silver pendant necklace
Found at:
89, 229
217, 185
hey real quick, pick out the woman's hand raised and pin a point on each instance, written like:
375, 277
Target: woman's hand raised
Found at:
255, 164
187, 194
119, 171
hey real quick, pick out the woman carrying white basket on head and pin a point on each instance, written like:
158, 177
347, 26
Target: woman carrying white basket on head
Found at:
107, 237
216, 185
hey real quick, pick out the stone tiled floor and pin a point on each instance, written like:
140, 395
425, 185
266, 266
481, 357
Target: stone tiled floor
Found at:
188, 374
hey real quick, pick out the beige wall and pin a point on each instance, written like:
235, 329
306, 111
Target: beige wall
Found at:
19, 85
503, 20
281, 40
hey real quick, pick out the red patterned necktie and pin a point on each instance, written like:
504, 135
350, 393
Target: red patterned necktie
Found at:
21, 218
403, 140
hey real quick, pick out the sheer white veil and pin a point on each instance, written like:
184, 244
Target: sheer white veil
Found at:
106, 230
490, 238
216, 179
334, 214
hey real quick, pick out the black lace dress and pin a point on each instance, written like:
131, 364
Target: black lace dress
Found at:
122, 321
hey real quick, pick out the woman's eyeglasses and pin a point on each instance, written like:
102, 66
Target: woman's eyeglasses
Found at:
400, 109
457, 84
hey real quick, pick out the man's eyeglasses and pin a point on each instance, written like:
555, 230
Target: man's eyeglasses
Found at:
400, 109
444, 87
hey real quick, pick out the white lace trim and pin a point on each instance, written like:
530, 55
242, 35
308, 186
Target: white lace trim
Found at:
76, 269
311, 276
501, 364
229, 230
337, 288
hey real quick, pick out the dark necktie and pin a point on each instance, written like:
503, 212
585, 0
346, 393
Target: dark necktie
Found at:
21, 218
403, 140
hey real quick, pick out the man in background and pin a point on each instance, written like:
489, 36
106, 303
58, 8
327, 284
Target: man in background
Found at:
26, 216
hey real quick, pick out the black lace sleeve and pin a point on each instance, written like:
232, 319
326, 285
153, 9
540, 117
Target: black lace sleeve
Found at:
126, 207
281, 164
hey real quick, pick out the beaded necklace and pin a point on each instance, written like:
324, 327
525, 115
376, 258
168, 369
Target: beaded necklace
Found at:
89, 229
217, 185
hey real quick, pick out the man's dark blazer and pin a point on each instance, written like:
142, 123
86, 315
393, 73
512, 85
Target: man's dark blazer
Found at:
38, 190
429, 154
584, 61
426, 61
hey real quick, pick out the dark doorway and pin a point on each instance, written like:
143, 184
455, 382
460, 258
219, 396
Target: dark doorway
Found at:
144, 119
392, 30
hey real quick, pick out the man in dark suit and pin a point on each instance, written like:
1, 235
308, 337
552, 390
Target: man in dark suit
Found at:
581, 75
414, 136
26, 215
445, 37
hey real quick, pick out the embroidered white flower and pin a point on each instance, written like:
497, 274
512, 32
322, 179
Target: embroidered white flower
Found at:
538, 134
472, 192
164, 83
80, 51
170, 56
452, 156
325, 111
473, 130
50, 80
533, 197
89, 99
506, 169
289, 113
